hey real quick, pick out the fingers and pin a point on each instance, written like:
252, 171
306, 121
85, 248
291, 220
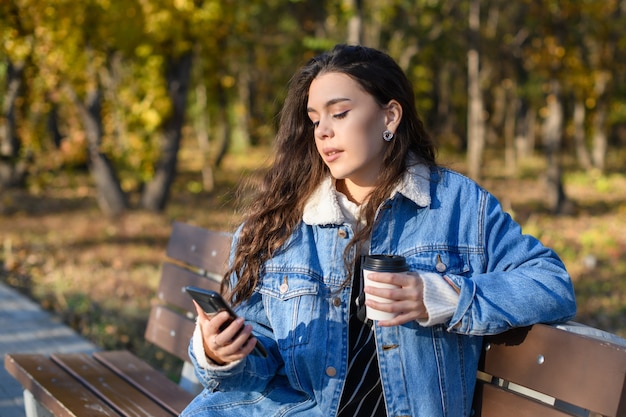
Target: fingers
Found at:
234, 343
405, 311
402, 279
225, 340
407, 299
409, 286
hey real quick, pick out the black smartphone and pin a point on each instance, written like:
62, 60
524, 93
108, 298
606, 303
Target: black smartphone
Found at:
212, 302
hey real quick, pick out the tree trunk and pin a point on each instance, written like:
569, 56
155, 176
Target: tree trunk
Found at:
111, 198
52, 126
552, 133
156, 192
495, 124
445, 115
600, 141
475, 122
202, 133
524, 130
12, 170
240, 111
510, 157
110, 77
355, 22
222, 131
579, 134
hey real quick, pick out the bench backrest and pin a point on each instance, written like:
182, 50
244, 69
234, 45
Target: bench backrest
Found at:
537, 371
547, 371
195, 256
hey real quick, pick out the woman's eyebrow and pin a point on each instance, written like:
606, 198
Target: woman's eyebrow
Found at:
329, 103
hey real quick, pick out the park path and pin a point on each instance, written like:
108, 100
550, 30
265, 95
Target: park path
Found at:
25, 327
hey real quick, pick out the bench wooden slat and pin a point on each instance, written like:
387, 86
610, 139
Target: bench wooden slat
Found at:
496, 402
146, 379
174, 279
118, 393
170, 331
54, 388
576, 369
200, 247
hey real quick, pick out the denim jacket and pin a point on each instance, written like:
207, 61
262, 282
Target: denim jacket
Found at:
442, 223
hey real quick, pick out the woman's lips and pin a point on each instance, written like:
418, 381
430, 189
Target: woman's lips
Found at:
331, 154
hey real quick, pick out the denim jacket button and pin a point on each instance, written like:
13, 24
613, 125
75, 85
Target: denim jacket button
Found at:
441, 267
284, 287
337, 301
342, 233
331, 371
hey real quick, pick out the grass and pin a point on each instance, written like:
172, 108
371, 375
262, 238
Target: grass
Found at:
100, 275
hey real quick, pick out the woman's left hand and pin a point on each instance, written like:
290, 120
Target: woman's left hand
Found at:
408, 298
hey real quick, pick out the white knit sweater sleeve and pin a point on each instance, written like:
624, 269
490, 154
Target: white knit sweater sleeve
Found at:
440, 299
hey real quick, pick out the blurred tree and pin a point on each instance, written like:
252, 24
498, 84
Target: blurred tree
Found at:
12, 168
475, 120
118, 84
175, 28
12, 34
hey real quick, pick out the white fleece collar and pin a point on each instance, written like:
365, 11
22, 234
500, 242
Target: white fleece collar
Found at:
322, 207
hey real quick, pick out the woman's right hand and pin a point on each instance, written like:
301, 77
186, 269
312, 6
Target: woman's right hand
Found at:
222, 347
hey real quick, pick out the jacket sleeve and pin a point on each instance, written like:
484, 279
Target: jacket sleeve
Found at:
254, 372
251, 374
520, 283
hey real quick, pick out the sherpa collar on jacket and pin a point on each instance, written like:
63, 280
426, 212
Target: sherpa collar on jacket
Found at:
322, 207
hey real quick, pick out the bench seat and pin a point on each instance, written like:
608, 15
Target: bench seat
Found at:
115, 383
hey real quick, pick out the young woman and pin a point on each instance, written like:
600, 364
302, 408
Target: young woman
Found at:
355, 174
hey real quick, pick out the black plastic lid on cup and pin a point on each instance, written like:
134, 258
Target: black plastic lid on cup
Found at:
385, 263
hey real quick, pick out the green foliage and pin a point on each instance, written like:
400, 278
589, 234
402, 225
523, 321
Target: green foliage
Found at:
606, 184
618, 112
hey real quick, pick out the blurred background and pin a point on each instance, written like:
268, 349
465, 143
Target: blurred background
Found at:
120, 116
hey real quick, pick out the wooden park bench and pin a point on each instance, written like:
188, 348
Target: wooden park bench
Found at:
541, 371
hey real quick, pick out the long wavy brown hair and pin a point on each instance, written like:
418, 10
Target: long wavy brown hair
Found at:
298, 169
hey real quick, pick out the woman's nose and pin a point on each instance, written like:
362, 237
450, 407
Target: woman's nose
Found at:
323, 130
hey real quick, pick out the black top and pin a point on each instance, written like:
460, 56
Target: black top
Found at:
362, 394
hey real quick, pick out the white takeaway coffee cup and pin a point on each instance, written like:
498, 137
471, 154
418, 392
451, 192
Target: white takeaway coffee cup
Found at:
381, 263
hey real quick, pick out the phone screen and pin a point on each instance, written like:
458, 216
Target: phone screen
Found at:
212, 302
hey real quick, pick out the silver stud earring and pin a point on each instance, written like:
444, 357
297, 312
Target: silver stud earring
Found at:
388, 135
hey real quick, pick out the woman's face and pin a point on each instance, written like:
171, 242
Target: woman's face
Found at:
348, 129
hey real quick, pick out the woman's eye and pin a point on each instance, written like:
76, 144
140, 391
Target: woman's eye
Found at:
316, 124
341, 115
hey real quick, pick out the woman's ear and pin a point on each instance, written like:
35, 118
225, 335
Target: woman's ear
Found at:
393, 115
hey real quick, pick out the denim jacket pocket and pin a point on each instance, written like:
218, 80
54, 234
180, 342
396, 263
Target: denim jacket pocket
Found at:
291, 302
440, 261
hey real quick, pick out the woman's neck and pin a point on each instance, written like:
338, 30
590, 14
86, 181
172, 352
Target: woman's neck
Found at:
358, 195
